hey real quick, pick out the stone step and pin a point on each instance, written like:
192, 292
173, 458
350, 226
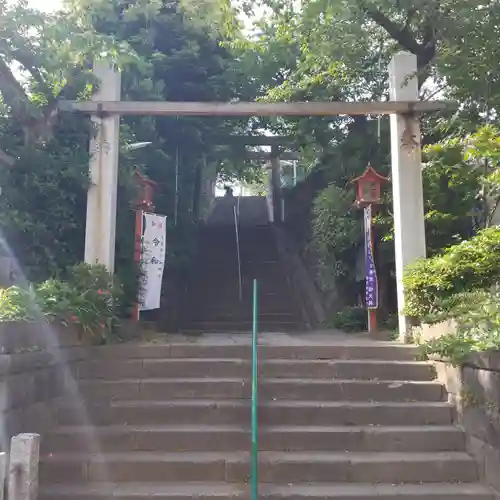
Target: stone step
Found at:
266, 325
237, 412
229, 305
359, 350
213, 313
269, 389
430, 491
244, 326
224, 491
227, 367
277, 438
274, 467
216, 306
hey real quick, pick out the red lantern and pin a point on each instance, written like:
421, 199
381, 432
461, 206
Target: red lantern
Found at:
144, 200
369, 187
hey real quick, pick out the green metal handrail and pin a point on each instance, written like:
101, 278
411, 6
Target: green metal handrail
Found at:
254, 463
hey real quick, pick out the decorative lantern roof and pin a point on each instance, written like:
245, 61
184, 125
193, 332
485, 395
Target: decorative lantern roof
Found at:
144, 200
368, 187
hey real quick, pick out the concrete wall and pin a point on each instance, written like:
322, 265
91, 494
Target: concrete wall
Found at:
474, 389
425, 332
303, 286
31, 383
37, 364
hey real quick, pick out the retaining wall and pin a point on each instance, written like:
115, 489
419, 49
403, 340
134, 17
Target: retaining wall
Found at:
474, 390
37, 364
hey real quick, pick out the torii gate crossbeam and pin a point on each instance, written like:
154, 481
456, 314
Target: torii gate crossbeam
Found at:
404, 108
226, 109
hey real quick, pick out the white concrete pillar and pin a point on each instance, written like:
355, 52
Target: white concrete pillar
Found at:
104, 150
23, 469
406, 153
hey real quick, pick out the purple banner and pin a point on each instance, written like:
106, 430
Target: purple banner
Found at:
371, 272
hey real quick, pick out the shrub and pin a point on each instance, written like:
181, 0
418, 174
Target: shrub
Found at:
430, 284
477, 315
335, 235
349, 319
88, 299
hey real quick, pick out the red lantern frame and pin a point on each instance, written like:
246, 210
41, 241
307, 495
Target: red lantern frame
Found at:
369, 187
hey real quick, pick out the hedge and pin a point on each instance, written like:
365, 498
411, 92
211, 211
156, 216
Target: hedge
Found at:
471, 265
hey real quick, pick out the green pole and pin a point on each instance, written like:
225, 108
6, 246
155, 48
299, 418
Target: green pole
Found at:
254, 467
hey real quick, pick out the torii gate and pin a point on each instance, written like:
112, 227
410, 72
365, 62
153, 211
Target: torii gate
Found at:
404, 108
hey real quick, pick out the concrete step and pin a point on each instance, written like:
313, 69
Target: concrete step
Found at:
350, 390
235, 319
270, 389
125, 438
273, 325
213, 306
348, 369
216, 312
236, 316
358, 350
227, 367
224, 491
274, 467
249, 265
237, 412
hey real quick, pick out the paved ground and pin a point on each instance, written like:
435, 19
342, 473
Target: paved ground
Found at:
323, 337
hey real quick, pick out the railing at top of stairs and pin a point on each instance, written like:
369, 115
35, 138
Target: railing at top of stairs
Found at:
236, 211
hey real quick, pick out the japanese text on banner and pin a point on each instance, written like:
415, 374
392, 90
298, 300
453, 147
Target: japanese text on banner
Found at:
371, 272
153, 252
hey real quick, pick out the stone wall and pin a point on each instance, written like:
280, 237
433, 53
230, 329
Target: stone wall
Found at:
37, 364
303, 286
30, 385
474, 389
425, 332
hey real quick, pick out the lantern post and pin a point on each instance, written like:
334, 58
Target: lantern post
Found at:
141, 205
368, 194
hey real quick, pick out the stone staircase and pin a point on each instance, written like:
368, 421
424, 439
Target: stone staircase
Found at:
340, 419
215, 304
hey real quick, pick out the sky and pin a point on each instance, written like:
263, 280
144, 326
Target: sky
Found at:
45, 5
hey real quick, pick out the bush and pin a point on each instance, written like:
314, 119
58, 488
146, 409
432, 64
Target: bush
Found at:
88, 299
350, 319
335, 236
477, 315
430, 284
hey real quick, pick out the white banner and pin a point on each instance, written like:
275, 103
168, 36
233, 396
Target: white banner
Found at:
153, 251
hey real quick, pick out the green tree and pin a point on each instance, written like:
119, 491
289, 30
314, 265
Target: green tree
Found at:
164, 53
339, 50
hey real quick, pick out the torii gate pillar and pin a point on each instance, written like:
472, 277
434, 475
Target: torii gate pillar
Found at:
406, 153
104, 151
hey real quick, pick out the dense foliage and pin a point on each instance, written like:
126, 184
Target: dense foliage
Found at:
88, 299
335, 235
349, 319
472, 264
186, 50
476, 320
339, 50
164, 52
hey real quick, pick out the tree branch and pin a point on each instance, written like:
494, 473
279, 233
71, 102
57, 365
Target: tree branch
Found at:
12, 91
425, 51
26, 59
402, 35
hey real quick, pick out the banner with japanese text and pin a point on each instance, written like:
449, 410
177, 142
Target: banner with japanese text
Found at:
371, 272
153, 252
